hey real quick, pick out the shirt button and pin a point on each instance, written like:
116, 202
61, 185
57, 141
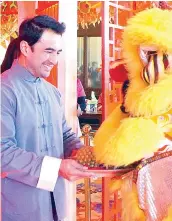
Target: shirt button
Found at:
40, 102
44, 150
43, 126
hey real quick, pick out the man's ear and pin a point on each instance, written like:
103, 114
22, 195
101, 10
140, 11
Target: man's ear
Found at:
24, 48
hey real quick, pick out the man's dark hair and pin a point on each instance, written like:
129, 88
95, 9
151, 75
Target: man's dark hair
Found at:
10, 55
30, 31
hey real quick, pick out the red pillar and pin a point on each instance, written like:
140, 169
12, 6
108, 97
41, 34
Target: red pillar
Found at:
26, 9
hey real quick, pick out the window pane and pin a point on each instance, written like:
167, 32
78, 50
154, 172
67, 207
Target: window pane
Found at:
94, 62
123, 17
80, 59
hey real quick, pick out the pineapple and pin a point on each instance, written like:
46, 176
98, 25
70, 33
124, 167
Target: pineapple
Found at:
86, 157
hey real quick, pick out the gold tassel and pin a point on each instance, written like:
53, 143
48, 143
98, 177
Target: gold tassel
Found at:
131, 210
115, 185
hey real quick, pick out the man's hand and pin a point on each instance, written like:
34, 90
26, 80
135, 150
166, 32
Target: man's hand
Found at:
71, 170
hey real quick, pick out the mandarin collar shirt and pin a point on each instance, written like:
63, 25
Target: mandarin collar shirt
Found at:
34, 139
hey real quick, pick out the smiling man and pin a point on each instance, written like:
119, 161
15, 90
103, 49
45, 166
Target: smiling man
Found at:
36, 142
42, 56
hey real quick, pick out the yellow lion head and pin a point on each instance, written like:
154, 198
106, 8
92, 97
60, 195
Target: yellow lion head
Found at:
147, 46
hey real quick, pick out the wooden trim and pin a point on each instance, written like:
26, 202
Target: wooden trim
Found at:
85, 61
105, 57
91, 31
105, 86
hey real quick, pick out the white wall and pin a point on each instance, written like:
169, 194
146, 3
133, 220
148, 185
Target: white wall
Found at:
2, 54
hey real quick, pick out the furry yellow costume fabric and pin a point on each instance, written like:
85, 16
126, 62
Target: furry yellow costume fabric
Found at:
126, 138
121, 142
169, 216
126, 144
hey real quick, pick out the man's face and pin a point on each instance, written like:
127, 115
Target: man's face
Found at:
44, 54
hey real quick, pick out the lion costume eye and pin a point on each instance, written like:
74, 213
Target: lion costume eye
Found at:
154, 70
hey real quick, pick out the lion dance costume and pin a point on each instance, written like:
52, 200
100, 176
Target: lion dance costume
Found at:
143, 136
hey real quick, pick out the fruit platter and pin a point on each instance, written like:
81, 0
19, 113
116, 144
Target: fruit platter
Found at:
86, 157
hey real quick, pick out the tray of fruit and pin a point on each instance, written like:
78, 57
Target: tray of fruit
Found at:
86, 157
112, 173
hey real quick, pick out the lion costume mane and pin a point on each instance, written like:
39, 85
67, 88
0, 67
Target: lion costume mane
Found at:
144, 133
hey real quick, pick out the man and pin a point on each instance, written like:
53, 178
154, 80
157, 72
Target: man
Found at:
36, 142
94, 74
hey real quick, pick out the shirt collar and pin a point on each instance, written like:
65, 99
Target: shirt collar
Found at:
24, 73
